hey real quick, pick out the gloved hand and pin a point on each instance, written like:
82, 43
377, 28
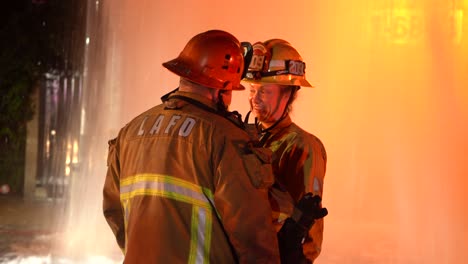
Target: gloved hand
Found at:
308, 209
295, 229
290, 239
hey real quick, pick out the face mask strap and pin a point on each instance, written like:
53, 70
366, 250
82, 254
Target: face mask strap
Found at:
248, 53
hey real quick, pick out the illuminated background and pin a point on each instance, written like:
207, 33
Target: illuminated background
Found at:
390, 105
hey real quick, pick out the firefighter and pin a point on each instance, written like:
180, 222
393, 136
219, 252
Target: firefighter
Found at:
183, 184
274, 76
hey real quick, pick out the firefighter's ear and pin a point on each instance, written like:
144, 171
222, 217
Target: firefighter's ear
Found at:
111, 149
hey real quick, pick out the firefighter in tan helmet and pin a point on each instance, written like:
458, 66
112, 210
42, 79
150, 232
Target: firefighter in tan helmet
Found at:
274, 77
183, 185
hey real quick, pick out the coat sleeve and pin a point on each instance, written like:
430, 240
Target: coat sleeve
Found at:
111, 196
316, 176
310, 167
241, 183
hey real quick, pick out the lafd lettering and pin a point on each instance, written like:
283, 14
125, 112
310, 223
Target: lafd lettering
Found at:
159, 125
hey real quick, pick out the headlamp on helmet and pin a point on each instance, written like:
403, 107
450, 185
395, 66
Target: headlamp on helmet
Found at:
276, 61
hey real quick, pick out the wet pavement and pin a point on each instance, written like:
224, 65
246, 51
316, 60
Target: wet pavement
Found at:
30, 234
26, 228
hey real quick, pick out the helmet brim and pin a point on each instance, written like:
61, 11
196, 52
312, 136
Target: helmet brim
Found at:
283, 81
182, 69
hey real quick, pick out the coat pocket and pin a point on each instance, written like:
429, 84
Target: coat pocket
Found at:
257, 162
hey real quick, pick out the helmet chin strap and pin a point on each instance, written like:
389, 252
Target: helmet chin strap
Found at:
222, 107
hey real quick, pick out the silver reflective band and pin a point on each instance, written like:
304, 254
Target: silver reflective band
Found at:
295, 67
173, 188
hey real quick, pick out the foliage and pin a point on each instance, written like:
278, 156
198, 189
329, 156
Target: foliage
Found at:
33, 42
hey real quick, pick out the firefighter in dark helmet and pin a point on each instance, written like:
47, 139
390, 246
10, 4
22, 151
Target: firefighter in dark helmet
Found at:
183, 184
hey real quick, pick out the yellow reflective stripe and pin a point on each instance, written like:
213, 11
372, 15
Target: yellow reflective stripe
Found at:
159, 177
194, 236
166, 194
279, 216
165, 186
200, 237
180, 190
207, 236
126, 208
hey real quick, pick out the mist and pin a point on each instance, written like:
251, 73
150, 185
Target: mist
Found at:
390, 104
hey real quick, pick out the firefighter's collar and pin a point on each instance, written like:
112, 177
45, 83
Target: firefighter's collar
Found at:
284, 122
194, 96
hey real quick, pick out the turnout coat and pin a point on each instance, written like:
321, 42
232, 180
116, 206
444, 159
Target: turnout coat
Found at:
184, 186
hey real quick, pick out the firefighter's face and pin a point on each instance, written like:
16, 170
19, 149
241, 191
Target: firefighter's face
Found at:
267, 102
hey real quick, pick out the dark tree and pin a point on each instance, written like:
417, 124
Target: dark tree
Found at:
36, 36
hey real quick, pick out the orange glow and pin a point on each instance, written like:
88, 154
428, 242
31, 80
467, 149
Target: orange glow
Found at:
390, 105
403, 22
398, 25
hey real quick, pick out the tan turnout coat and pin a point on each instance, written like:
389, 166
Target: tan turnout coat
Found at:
183, 187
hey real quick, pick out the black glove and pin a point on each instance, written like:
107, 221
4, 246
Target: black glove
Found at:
308, 209
290, 239
295, 229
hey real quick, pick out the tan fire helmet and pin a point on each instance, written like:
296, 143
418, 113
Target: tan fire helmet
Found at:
276, 61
